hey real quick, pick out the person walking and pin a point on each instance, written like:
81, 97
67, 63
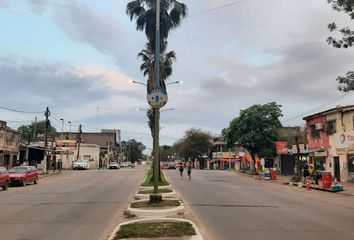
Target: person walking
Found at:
180, 167
189, 169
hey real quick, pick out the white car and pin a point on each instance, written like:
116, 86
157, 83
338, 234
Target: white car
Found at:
81, 164
114, 165
126, 164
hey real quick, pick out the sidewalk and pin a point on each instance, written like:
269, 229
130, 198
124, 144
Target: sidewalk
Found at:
285, 180
50, 172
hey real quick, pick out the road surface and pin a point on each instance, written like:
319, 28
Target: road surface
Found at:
73, 205
226, 205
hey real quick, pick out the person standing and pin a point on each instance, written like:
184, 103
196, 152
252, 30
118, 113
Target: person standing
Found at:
180, 167
189, 169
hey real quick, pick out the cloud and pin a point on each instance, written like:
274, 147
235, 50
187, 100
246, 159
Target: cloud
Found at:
3, 4
38, 6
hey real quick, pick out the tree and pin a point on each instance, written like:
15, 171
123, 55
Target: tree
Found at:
147, 67
194, 145
143, 11
256, 129
346, 83
28, 130
133, 149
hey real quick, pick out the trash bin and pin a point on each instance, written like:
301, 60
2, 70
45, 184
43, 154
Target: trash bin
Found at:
326, 180
273, 175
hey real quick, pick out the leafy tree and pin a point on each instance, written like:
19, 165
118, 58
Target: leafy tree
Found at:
256, 129
193, 145
28, 130
346, 83
134, 149
166, 152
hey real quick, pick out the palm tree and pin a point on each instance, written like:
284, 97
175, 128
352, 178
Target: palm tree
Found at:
144, 11
147, 67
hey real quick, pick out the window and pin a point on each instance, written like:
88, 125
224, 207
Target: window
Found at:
314, 132
331, 127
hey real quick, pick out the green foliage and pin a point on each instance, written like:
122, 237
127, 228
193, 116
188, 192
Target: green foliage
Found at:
346, 83
256, 129
143, 11
194, 144
155, 230
150, 182
166, 153
27, 130
288, 134
135, 149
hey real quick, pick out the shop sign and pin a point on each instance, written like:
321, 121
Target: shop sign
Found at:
301, 146
282, 147
65, 144
217, 154
344, 140
342, 151
321, 154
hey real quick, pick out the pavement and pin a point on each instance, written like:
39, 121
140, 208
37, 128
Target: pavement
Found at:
226, 205
281, 179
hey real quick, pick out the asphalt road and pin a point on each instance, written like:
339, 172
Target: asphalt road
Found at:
228, 206
77, 205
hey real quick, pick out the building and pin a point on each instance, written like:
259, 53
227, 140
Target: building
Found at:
9, 146
330, 136
102, 148
223, 157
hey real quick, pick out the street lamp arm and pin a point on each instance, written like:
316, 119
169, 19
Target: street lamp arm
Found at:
131, 81
174, 82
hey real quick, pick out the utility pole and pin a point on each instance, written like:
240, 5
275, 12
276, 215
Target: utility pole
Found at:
35, 128
298, 166
47, 124
79, 142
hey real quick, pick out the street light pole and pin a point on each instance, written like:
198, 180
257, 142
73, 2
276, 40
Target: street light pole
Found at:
61, 138
157, 109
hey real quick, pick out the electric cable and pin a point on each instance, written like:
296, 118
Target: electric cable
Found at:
315, 109
20, 111
216, 8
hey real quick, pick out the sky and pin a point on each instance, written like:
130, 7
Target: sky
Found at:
77, 58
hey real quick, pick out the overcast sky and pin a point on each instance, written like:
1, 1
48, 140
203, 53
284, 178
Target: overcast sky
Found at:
77, 56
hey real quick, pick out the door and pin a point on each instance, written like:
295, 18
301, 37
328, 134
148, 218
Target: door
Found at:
336, 168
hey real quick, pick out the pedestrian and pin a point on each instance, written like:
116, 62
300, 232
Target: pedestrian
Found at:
180, 167
306, 172
189, 169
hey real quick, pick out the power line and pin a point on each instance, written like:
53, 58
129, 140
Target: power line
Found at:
216, 8
316, 108
19, 111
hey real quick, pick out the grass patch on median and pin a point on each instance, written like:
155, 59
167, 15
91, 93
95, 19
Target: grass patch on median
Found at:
149, 182
163, 203
151, 191
155, 230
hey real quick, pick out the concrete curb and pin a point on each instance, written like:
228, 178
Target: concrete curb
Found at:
43, 175
155, 213
172, 194
198, 236
151, 187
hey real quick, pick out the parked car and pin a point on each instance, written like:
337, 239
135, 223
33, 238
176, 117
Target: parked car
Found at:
126, 164
81, 164
114, 165
4, 178
171, 165
23, 174
163, 165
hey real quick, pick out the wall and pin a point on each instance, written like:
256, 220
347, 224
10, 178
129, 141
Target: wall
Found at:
323, 140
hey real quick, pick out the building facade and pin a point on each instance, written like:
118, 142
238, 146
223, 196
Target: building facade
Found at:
330, 136
9, 146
